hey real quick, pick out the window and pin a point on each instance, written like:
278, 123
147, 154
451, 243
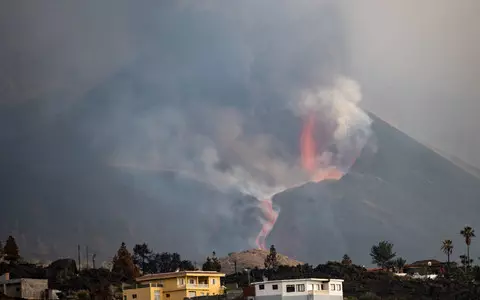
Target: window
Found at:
332, 287
318, 287
213, 280
275, 287
192, 281
134, 296
202, 294
339, 287
156, 295
300, 287
167, 295
192, 294
290, 288
261, 286
181, 281
125, 297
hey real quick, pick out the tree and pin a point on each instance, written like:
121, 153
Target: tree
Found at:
465, 261
271, 261
346, 260
11, 251
212, 264
382, 254
447, 248
123, 264
141, 257
216, 263
169, 262
1, 251
399, 264
207, 265
468, 233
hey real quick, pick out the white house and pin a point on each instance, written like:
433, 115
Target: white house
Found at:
300, 289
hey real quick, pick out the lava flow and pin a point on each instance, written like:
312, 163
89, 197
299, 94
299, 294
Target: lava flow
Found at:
309, 155
310, 164
271, 217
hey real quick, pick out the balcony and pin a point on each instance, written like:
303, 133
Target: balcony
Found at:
197, 286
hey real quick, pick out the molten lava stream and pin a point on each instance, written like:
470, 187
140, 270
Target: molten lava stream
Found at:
308, 145
270, 218
308, 152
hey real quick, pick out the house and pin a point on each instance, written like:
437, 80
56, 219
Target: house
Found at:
300, 289
175, 286
426, 267
25, 288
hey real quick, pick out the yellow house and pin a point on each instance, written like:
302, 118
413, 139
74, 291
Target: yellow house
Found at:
147, 291
175, 286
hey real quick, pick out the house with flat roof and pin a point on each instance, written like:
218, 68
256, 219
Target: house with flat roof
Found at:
299, 289
175, 286
25, 288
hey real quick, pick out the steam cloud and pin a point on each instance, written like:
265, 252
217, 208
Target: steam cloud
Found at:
229, 158
256, 164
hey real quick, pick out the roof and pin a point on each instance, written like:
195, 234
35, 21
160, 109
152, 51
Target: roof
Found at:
299, 279
20, 280
424, 263
178, 274
375, 270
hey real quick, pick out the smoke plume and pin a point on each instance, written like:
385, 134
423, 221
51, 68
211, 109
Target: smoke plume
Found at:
213, 92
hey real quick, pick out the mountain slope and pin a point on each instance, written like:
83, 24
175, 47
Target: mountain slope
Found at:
405, 193
60, 191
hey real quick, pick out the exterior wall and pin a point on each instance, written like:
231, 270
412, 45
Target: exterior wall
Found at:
186, 285
335, 288
175, 295
12, 290
312, 289
34, 288
25, 288
143, 293
300, 297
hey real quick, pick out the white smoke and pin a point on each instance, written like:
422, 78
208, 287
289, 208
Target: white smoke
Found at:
229, 158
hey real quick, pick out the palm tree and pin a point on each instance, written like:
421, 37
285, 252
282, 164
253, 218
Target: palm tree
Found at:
447, 248
399, 264
468, 233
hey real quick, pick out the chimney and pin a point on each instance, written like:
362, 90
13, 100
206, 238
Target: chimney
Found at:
6, 276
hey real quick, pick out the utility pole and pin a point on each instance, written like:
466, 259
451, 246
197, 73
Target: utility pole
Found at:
79, 260
86, 250
93, 260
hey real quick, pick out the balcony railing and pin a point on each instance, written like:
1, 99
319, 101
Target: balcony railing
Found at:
197, 286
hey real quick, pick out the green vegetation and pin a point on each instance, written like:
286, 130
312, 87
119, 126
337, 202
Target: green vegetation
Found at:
346, 260
106, 283
10, 250
382, 254
212, 264
447, 248
271, 261
468, 233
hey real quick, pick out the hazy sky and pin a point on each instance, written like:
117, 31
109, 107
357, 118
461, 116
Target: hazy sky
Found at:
418, 64
416, 61
189, 84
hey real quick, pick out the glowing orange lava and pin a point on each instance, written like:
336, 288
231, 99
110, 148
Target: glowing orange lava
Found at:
308, 150
271, 217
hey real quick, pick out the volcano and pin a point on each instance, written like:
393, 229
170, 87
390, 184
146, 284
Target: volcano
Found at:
400, 190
